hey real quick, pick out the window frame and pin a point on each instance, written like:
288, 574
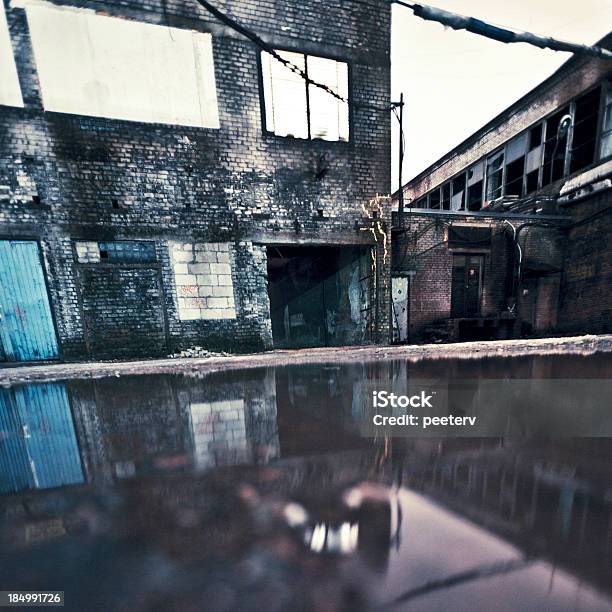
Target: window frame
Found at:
262, 98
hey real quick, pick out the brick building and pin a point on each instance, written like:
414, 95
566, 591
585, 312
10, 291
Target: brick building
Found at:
508, 233
166, 183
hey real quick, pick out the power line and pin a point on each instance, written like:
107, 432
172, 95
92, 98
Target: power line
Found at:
253, 37
500, 33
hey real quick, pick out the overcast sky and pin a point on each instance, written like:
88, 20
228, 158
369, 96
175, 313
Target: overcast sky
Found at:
455, 81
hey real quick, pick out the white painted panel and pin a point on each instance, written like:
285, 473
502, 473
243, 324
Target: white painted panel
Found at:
102, 66
10, 92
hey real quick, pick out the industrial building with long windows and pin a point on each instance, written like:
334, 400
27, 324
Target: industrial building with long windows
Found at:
508, 233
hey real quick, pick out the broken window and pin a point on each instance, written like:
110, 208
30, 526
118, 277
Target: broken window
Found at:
495, 171
103, 66
515, 165
10, 92
584, 139
605, 146
420, 203
475, 176
557, 127
458, 191
446, 196
434, 199
534, 158
295, 108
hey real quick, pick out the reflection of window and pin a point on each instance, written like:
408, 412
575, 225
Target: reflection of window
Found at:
605, 147
294, 108
495, 169
10, 92
103, 66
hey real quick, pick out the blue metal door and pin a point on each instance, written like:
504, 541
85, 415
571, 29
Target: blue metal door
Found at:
38, 443
27, 332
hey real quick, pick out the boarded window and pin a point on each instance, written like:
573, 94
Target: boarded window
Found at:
10, 92
102, 66
295, 108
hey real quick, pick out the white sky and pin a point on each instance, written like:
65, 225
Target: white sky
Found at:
455, 81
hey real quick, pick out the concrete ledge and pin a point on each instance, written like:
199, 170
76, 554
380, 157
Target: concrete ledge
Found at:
575, 345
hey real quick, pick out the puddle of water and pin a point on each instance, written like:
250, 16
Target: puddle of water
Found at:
253, 489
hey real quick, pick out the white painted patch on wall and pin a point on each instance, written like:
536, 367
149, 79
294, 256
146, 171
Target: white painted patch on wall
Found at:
103, 66
10, 91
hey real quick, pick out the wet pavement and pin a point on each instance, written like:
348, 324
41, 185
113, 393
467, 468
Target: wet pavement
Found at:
253, 490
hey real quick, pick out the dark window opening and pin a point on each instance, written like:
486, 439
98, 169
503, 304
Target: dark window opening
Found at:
532, 181
514, 177
446, 197
434, 199
585, 130
475, 196
458, 190
475, 176
535, 136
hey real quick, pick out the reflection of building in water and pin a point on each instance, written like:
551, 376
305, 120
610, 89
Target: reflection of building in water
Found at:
133, 425
556, 497
38, 445
219, 433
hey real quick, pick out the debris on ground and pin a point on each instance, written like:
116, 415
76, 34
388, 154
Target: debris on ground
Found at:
198, 352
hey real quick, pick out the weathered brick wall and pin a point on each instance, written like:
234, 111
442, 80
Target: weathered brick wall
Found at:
585, 304
570, 82
424, 249
98, 179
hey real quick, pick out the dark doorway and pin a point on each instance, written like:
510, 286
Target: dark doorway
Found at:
319, 296
466, 282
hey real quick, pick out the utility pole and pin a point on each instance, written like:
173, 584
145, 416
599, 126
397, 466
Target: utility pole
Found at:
401, 161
